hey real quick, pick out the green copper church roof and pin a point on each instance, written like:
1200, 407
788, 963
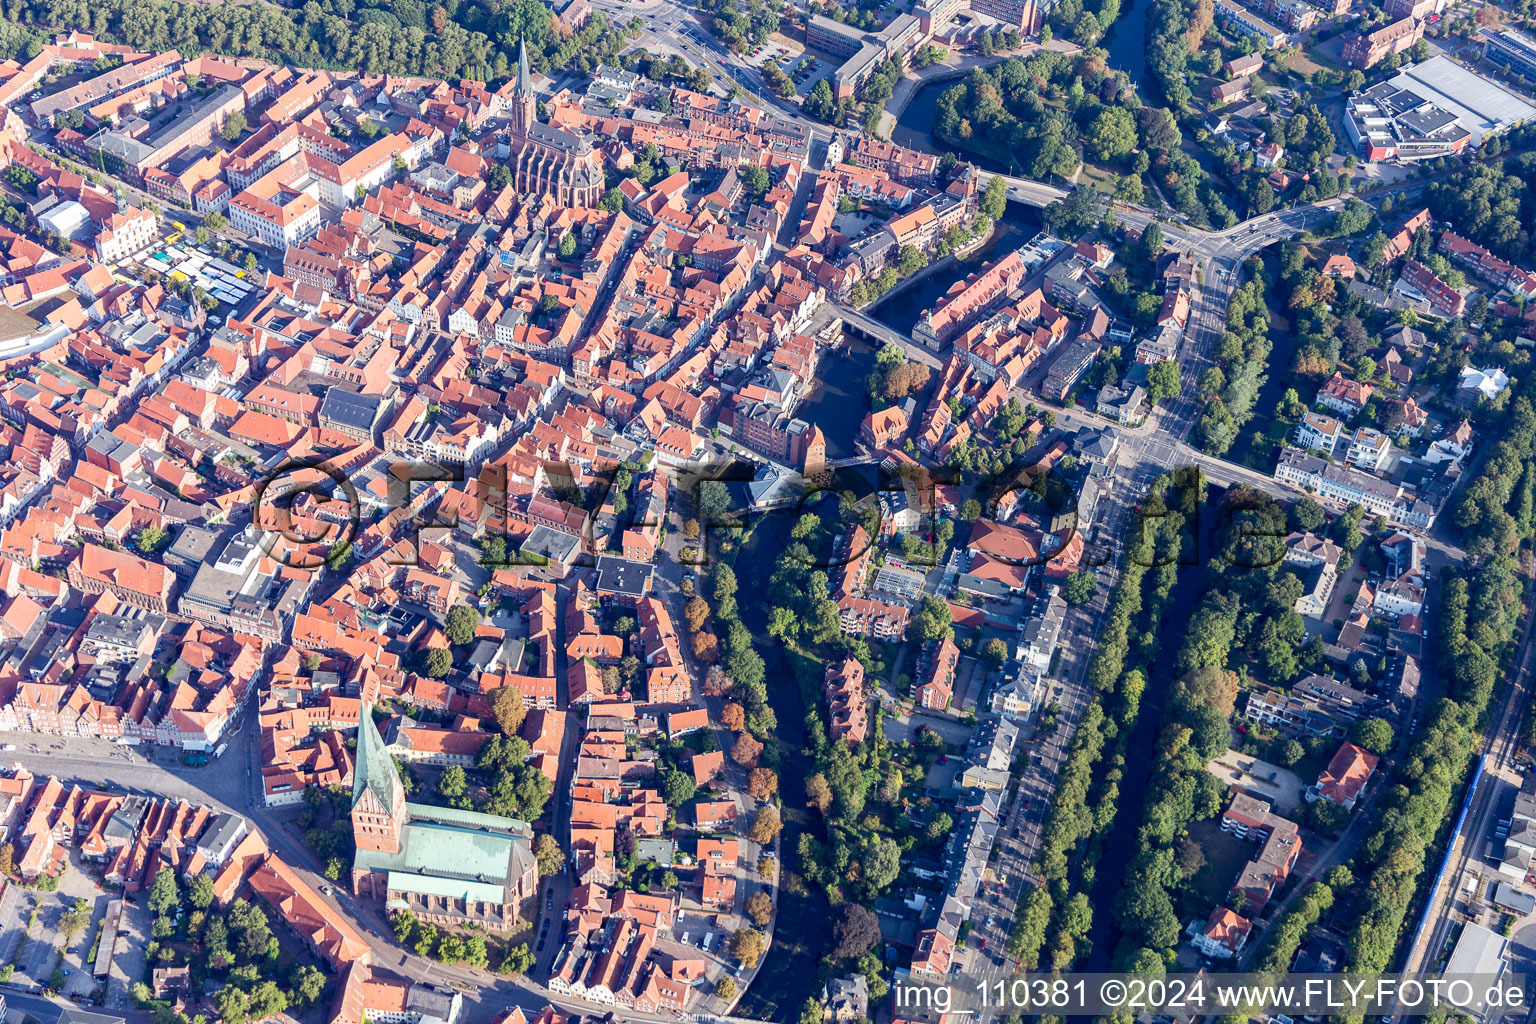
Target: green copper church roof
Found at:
374, 769
448, 888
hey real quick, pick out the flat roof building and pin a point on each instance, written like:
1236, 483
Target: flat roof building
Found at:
1511, 49
1429, 110
1478, 951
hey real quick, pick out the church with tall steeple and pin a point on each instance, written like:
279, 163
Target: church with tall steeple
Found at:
545, 159
445, 865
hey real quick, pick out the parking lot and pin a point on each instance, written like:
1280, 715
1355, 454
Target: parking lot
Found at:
40, 954
128, 965
1278, 785
803, 68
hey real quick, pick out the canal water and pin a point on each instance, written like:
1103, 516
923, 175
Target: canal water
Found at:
1279, 369
901, 308
1126, 42
1105, 938
839, 400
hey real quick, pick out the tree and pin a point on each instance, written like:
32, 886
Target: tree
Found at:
1112, 136
215, 221
994, 199
308, 985
267, 999
759, 908
757, 182
882, 863
855, 932
746, 751
812, 1012
748, 945
150, 540
74, 920
1163, 380
1078, 212
201, 236
762, 784
1375, 735
939, 827
1189, 858
1374, 253
724, 576
818, 793
1290, 753
1327, 817
201, 892
733, 716
233, 1004
677, 788
1080, 587
461, 624
519, 960
933, 621
234, 127
548, 854
567, 246
7, 859
696, 613
765, 826
453, 783
509, 709
725, 988
1030, 927
995, 653
1307, 515
164, 894
439, 662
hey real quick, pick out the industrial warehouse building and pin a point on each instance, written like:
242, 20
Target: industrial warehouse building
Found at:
1429, 110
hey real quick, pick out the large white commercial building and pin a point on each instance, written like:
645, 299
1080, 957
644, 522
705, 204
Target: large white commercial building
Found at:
1431, 109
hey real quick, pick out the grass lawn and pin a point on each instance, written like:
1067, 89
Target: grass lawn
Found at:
1304, 63
1314, 58
1098, 176
1225, 855
1275, 432
810, 672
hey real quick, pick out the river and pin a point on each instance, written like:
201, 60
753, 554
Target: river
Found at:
839, 400
902, 307
1278, 375
1126, 42
1141, 749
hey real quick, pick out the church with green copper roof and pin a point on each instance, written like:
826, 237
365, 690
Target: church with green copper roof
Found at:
447, 866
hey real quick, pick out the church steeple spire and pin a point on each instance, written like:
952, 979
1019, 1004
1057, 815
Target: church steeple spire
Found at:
524, 102
378, 798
